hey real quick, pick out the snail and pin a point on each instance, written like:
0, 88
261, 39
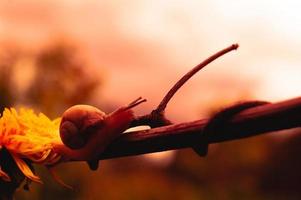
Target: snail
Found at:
86, 131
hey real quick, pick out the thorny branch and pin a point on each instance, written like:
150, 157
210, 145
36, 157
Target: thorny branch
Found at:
250, 122
245, 123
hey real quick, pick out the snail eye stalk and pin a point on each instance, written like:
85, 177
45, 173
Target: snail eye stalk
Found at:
135, 103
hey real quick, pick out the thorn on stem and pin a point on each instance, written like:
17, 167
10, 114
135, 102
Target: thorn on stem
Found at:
161, 107
157, 117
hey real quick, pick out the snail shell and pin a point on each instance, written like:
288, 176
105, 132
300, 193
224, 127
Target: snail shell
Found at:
78, 123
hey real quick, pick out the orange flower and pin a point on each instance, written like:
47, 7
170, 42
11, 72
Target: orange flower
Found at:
29, 136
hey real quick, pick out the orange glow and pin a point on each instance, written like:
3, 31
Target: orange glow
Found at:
141, 48
283, 81
160, 159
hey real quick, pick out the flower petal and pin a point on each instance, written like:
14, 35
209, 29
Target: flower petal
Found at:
25, 169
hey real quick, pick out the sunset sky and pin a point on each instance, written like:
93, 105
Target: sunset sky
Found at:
143, 47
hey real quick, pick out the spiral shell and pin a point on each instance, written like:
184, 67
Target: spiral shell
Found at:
78, 123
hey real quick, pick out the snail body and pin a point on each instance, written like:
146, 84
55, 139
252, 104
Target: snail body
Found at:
85, 130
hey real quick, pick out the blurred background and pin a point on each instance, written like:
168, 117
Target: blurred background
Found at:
54, 54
